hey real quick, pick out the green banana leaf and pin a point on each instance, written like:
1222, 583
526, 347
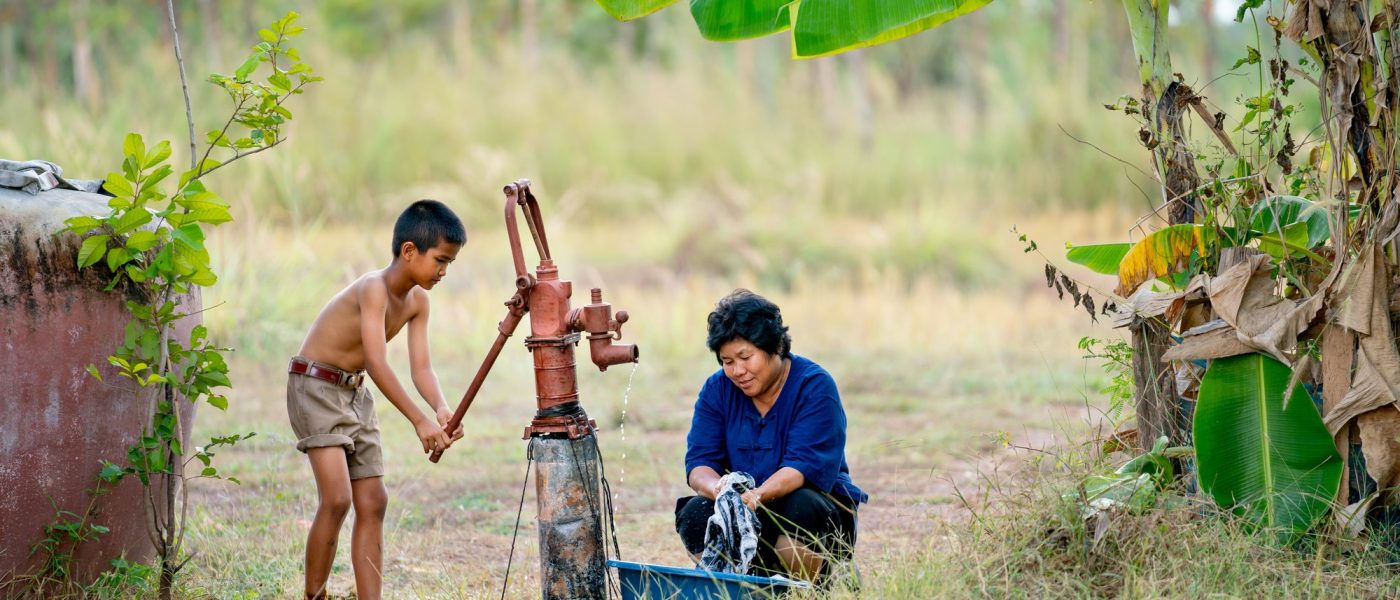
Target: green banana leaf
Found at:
627, 10
1292, 242
822, 27
1100, 258
1135, 485
1154, 462
1135, 492
1277, 468
729, 20
1277, 213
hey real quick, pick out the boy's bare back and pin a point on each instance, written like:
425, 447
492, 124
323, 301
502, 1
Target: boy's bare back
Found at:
336, 337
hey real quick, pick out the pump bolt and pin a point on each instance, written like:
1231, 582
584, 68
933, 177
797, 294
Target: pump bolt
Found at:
597, 295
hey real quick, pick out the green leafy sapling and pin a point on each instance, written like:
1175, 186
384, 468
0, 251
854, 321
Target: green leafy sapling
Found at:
152, 242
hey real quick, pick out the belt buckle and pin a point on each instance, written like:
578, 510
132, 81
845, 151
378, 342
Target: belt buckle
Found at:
351, 380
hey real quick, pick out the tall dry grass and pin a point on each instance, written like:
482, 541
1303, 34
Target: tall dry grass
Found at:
705, 164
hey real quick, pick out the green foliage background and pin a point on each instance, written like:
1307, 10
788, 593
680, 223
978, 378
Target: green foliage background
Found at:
642, 123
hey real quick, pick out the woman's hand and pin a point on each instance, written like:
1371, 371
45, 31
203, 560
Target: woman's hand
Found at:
752, 499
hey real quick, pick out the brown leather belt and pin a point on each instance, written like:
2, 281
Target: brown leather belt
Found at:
339, 377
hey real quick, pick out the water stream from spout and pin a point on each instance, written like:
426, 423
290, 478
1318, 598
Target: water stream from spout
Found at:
622, 434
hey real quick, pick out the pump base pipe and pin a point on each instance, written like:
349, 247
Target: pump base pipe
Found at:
572, 552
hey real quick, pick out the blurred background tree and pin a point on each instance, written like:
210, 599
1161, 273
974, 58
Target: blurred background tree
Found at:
907, 159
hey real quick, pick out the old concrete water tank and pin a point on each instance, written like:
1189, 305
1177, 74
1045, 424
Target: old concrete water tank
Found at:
56, 421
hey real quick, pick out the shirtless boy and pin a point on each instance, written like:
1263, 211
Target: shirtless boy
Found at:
333, 414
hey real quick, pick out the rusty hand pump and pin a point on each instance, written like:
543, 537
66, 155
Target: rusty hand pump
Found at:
562, 443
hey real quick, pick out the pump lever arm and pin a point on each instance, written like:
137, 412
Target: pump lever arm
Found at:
507, 326
531, 208
518, 194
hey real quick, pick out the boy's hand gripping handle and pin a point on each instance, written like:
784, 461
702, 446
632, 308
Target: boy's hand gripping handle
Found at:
517, 307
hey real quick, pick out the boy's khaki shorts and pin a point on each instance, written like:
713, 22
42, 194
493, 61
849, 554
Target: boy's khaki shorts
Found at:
324, 414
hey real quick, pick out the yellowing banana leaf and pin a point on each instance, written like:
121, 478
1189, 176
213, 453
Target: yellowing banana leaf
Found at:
1100, 258
822, 27
729, 20
1162, 253
627, 10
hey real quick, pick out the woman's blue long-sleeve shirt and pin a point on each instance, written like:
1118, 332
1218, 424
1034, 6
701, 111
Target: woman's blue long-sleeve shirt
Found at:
805, 429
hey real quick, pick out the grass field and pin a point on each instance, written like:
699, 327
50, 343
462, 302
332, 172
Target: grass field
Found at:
970, 413
931, 378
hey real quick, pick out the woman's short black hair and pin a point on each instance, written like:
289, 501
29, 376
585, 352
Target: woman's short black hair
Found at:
744, 314
428, 223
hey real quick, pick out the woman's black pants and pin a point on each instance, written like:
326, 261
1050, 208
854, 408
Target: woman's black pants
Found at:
825, 523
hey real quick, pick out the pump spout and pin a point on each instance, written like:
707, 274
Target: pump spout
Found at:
603, 329
606, 354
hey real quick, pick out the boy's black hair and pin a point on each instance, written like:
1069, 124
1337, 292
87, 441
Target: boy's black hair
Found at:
744, 314
428, 223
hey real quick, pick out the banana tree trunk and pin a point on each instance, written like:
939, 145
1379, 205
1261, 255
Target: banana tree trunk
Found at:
1164, 106
1158, 412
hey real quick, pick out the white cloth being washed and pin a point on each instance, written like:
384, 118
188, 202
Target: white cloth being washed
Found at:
731, 534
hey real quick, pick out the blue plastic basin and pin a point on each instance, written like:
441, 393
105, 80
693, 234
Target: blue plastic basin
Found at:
658, 582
